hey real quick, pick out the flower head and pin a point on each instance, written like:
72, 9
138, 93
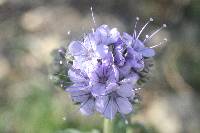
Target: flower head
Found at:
105, 69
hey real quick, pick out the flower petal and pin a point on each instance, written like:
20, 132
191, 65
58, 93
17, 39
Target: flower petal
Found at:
125, 90
114, 35
148, 52
131, 78
108, 59
106, 106
87, 107
110, 109
90, 41
128, 39
113, 74
124, 106
98, 89
138, 45
111, 87
101, 34
101, 50
79, 99
100, 103
76, 76
118, 58
124, 70
78, 95
137, 61
76, 48
77, 86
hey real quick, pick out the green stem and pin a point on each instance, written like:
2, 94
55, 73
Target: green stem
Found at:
108, 126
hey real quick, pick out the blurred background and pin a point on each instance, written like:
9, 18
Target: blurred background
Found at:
31, 29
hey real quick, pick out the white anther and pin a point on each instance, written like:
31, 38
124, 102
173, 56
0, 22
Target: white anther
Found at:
151, 19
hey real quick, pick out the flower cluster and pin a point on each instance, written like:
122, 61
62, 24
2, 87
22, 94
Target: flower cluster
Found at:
105, 69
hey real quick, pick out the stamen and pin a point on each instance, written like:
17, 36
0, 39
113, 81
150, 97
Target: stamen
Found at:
93, 16
147, 36
161, 43
93, 30
135, 26
68, 38
154, 33
150, 20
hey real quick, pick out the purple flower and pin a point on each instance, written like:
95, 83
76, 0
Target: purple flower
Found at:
99, 60
105, 70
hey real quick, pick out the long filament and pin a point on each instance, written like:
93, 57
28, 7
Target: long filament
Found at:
161, 43
135, 26
154, 33
150, 20
93, 19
